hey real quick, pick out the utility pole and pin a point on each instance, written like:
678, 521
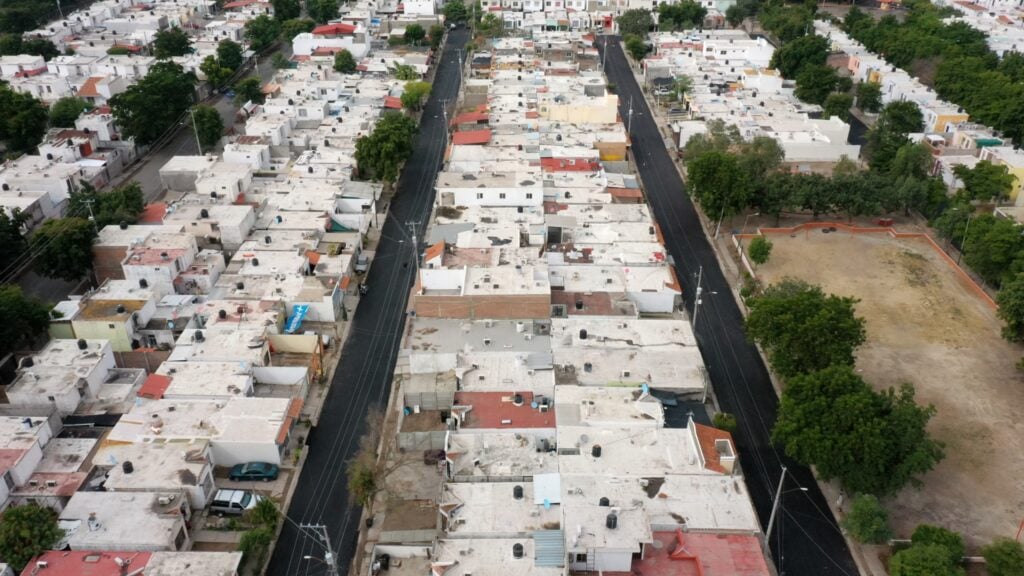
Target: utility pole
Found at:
59, 10
415, 244
92, 217
629, 119
696, 299
329, 558
604, 56
775, 507
195, 129
963, 245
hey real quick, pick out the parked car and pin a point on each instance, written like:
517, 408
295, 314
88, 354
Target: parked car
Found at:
362, 263
254, 471
233, 502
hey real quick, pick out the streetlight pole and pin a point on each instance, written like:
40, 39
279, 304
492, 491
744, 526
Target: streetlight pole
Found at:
963, 245
195, 129
629, 119
329, 558
775, 508
745, 221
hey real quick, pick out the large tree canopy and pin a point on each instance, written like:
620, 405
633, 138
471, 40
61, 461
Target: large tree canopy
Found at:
64, 248
25, 532
387, 147
22, 319
804, 330
151, 106
171, 42
872, 442
636, 21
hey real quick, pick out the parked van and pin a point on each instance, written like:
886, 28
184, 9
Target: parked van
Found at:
233, 502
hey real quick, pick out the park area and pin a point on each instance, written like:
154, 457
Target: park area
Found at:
929, 326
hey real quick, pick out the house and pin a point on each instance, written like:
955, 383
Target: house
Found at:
134, 521
63, 374
166, 467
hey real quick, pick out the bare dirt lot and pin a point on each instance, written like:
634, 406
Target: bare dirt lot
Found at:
925, 326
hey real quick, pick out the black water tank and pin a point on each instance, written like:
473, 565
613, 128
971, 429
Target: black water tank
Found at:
385, 561
222, 314
120, 308
517, 492
28, 362
583, 334
123, 225
240, 285
517, 550
127, 467
255, 261
611, 521
604, 502
204, 213
199, 336
82, 344
595, 451
143, 283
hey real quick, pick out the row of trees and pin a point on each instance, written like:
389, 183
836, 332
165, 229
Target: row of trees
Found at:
829, 417
952, 55
14, 44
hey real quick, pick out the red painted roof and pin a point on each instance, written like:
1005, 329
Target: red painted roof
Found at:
63, 484
240, 4
9, 457
496, 410
626, 193
701, 554
392, 102
433, 251
154, 386
472, 137
28, 73
569, 165
336, 29
153, 214
82, 563
706, 436
470, 118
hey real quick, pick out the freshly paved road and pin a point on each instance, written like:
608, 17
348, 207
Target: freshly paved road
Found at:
811, 544
362, 380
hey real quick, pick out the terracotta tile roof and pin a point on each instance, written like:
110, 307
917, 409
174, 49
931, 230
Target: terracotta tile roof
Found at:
336, 29
470, 118
434, 251
240, 4
569, 165
472, 137
154, 213
392, 103
88, 90
86, 563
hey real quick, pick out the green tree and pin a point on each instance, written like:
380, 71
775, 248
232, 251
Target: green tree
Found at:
815, 82
65, 111
12, 239
720, 137
867, 522
323, 11
362, 482
636, 47
262, 31
490, 25
838, 104
279, 61
215, 74
869, 96
1004, 557
64, 248
40, 47
1011, 308
895, 122
208, 125
455, 11
229, 54
249, 90
681, 16
285, 10
414, 94
117, 50
27, 531
986, 181
794, 56
874, 443
991, 246
254, 544
926, 534
804, 330
734, 15
10, 44
716, 181
344, 62
387, 147
436, 35
636, 21
926, 560
911, 161
122, 204
151, 106
680, 86
406, 72
414, 34
22, 319
264, 513
23, 120
760, 249
171, 42
724, 421
787, 23
292, 28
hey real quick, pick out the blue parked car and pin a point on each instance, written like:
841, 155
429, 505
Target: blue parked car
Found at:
254, 471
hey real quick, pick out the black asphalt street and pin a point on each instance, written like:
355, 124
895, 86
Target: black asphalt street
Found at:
363, 377
811, 544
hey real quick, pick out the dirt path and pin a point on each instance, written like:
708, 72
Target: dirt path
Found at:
926, 327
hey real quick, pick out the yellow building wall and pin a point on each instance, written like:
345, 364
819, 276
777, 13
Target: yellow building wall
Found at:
1015, 194
611, 151
101, 330
61, 331
945, 119
596, 112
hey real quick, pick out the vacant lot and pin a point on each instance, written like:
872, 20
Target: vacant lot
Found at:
926, 327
